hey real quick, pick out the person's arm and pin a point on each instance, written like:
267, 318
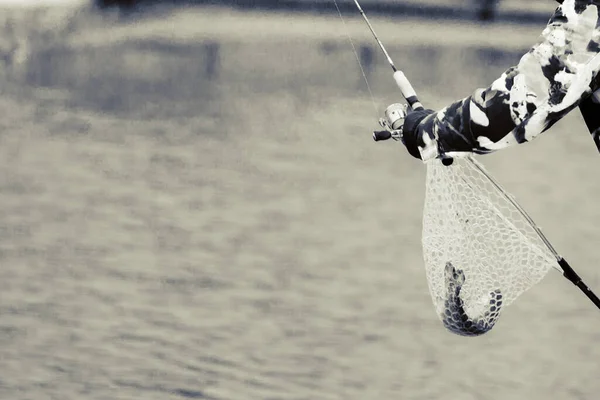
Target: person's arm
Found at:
555, 76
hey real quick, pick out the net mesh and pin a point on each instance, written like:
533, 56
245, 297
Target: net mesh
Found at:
480, 253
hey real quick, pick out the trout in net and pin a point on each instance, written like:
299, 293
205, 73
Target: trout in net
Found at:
454, 316
495, 253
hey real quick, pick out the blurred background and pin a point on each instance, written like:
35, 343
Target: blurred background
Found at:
193, 207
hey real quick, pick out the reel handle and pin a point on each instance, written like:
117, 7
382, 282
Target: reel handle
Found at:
378, 136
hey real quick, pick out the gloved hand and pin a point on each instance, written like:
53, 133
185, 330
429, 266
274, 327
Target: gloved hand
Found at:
411, 134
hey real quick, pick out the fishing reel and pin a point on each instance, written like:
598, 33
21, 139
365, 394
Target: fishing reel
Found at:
392, 123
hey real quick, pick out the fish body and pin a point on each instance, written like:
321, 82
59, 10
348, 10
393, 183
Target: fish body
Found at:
454, 316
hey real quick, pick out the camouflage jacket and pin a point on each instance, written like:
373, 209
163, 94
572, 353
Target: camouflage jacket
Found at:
559, 73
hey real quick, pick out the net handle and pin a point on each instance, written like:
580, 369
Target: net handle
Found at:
571, 275
567, 271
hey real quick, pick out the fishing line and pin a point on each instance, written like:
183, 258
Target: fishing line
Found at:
347, 31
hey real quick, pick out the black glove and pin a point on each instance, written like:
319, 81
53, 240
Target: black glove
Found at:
411, 137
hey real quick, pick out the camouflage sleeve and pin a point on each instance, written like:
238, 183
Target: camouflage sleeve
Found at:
555, 76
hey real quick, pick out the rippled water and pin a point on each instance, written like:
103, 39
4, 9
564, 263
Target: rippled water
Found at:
231, 240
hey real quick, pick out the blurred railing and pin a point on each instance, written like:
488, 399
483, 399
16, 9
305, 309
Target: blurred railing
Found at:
34, 48
517, 11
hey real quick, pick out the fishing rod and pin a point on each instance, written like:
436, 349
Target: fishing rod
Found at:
395, 115
401, 80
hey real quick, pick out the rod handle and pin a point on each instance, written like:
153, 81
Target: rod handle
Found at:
407, 91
